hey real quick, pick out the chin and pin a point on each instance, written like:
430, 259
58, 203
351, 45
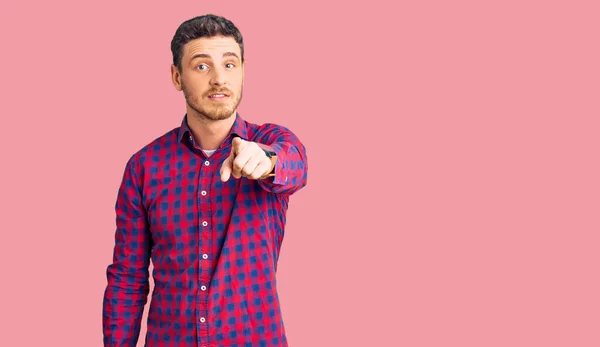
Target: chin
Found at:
218, 114
213, 113
218, 117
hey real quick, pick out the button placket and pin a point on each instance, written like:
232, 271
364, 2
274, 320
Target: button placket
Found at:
205, 240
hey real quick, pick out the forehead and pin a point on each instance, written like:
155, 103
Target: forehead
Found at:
213, 46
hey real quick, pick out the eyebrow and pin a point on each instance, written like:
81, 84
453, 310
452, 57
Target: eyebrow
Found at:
204, 55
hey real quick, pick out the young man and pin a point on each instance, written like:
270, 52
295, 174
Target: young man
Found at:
207, 203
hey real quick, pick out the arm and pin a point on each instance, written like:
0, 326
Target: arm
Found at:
291, 166
128, 287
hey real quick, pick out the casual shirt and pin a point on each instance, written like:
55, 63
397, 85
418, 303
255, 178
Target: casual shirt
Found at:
214, 245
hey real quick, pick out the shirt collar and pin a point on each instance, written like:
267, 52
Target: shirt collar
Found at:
239, 128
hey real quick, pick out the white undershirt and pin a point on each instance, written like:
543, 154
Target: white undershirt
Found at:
209, 153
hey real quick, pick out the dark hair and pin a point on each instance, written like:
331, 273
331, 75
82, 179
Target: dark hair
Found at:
208, 25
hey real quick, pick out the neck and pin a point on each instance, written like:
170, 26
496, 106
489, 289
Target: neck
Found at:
208, 133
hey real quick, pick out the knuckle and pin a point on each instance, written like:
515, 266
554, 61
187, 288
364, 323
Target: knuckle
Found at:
237, 164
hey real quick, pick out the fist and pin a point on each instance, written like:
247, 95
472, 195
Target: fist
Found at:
246, 159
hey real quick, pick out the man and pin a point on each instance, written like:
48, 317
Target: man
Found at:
207, 203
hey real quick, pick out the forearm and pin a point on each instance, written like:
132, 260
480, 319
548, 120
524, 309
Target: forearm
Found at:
123, 306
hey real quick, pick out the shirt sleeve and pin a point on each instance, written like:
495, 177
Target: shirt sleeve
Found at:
128, 286
291, 167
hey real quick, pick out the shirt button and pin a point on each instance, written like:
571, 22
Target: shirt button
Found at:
207, 163
205, 223
203, 192
202, 319
203, 288
205, 256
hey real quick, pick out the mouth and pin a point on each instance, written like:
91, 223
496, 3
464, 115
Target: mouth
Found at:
218, 96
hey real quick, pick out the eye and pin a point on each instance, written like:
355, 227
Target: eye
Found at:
199, 67
232, 66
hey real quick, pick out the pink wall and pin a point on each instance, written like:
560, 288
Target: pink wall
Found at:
453, 187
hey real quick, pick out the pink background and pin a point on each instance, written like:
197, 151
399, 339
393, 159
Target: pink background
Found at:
453, 195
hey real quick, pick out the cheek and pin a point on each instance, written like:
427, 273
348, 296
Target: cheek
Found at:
192, 89
239, 82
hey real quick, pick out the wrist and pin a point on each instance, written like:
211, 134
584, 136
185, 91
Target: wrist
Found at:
272, 156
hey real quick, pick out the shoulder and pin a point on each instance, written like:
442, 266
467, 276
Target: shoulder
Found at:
268, 131
152, 151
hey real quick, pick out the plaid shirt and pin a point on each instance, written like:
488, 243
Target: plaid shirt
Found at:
214, 245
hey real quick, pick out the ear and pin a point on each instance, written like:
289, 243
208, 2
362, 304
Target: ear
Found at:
176, 76
243, 72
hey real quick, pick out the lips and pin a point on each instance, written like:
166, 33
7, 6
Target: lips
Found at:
218, 95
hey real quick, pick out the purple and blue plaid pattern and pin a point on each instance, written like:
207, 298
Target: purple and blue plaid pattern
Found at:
214, 245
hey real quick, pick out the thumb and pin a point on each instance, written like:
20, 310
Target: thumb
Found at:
227, 168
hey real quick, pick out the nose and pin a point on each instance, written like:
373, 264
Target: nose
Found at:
218, 76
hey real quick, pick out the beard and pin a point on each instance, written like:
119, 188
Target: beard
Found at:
212, 111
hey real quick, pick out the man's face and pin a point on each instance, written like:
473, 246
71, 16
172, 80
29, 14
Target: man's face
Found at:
209, 67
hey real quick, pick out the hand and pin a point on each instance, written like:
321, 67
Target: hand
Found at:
246, 159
